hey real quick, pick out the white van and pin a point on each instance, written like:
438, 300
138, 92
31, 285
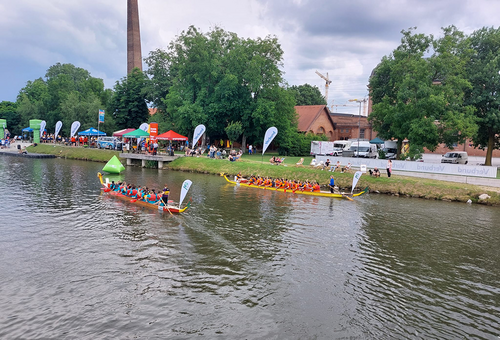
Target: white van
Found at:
455, 157
364, 149
391, 149
339, 146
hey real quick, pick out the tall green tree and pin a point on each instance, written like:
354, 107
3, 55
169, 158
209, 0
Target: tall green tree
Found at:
33, 101
217, 78
8, 111
307, 95
417, 91
483, 73
128, 104
160, 75
47, 99
234, 130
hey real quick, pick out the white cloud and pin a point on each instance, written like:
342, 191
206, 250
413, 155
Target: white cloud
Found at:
345, 39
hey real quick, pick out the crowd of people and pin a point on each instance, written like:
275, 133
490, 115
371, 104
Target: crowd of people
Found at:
214, 152
142, 193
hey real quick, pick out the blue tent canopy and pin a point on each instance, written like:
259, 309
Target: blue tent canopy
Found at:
91, 132
28, 129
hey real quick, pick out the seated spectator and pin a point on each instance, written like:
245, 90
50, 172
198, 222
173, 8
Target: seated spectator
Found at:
347, 168
335, 167
375, 172
326, 165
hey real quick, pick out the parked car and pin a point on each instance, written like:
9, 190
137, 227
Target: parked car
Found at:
364, 149
455, 157
340, 147
111, 143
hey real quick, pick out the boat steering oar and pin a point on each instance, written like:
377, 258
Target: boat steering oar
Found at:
166, 206
350, 199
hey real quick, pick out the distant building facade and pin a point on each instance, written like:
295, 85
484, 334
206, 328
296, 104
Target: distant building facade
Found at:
318, 119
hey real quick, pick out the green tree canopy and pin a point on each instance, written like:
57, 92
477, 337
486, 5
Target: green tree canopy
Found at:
417, 91
8, 111
65, 87
483, 72
217, 78
128, 103
234, 130
307, 95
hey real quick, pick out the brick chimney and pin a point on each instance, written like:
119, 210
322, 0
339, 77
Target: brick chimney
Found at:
134, 57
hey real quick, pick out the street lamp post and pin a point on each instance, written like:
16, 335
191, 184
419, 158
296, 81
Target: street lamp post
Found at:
360, 101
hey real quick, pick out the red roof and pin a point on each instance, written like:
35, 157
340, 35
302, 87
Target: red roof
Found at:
308, 114
171, 135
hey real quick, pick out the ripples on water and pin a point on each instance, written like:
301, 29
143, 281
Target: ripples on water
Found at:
242, 263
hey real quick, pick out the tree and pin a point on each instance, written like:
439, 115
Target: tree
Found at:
128, 103
45, 98
217, 78
159, 71
8, 111
307, 95
422, 98
32, 102
233, 131
483, 73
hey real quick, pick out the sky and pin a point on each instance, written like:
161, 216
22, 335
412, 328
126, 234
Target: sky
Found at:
344, 39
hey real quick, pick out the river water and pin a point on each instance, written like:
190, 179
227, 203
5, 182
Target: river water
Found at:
240, 264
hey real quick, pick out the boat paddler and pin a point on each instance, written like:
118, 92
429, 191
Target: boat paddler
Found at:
164, 195
316, 187
332, 184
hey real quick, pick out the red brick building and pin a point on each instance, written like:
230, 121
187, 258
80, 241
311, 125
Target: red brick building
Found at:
319, 120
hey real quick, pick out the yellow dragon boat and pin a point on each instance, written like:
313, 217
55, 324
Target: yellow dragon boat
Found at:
299, 192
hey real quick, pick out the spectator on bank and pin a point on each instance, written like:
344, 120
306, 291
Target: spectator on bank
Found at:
335, 167
375, 172
326, 165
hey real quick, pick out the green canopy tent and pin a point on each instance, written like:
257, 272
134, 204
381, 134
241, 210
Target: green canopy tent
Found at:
137, 134
376, 140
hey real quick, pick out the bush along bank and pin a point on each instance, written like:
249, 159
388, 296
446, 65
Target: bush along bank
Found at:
396, 185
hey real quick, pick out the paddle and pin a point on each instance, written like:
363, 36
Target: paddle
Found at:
350, 199
165, 205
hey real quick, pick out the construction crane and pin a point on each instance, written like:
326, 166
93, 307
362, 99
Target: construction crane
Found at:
327, 84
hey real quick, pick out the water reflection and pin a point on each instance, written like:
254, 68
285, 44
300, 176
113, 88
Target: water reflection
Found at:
413, 271
241, 263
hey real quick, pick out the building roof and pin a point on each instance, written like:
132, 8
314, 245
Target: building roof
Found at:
309, 113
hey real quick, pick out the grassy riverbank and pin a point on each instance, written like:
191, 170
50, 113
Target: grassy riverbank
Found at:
69, 152
257, 165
